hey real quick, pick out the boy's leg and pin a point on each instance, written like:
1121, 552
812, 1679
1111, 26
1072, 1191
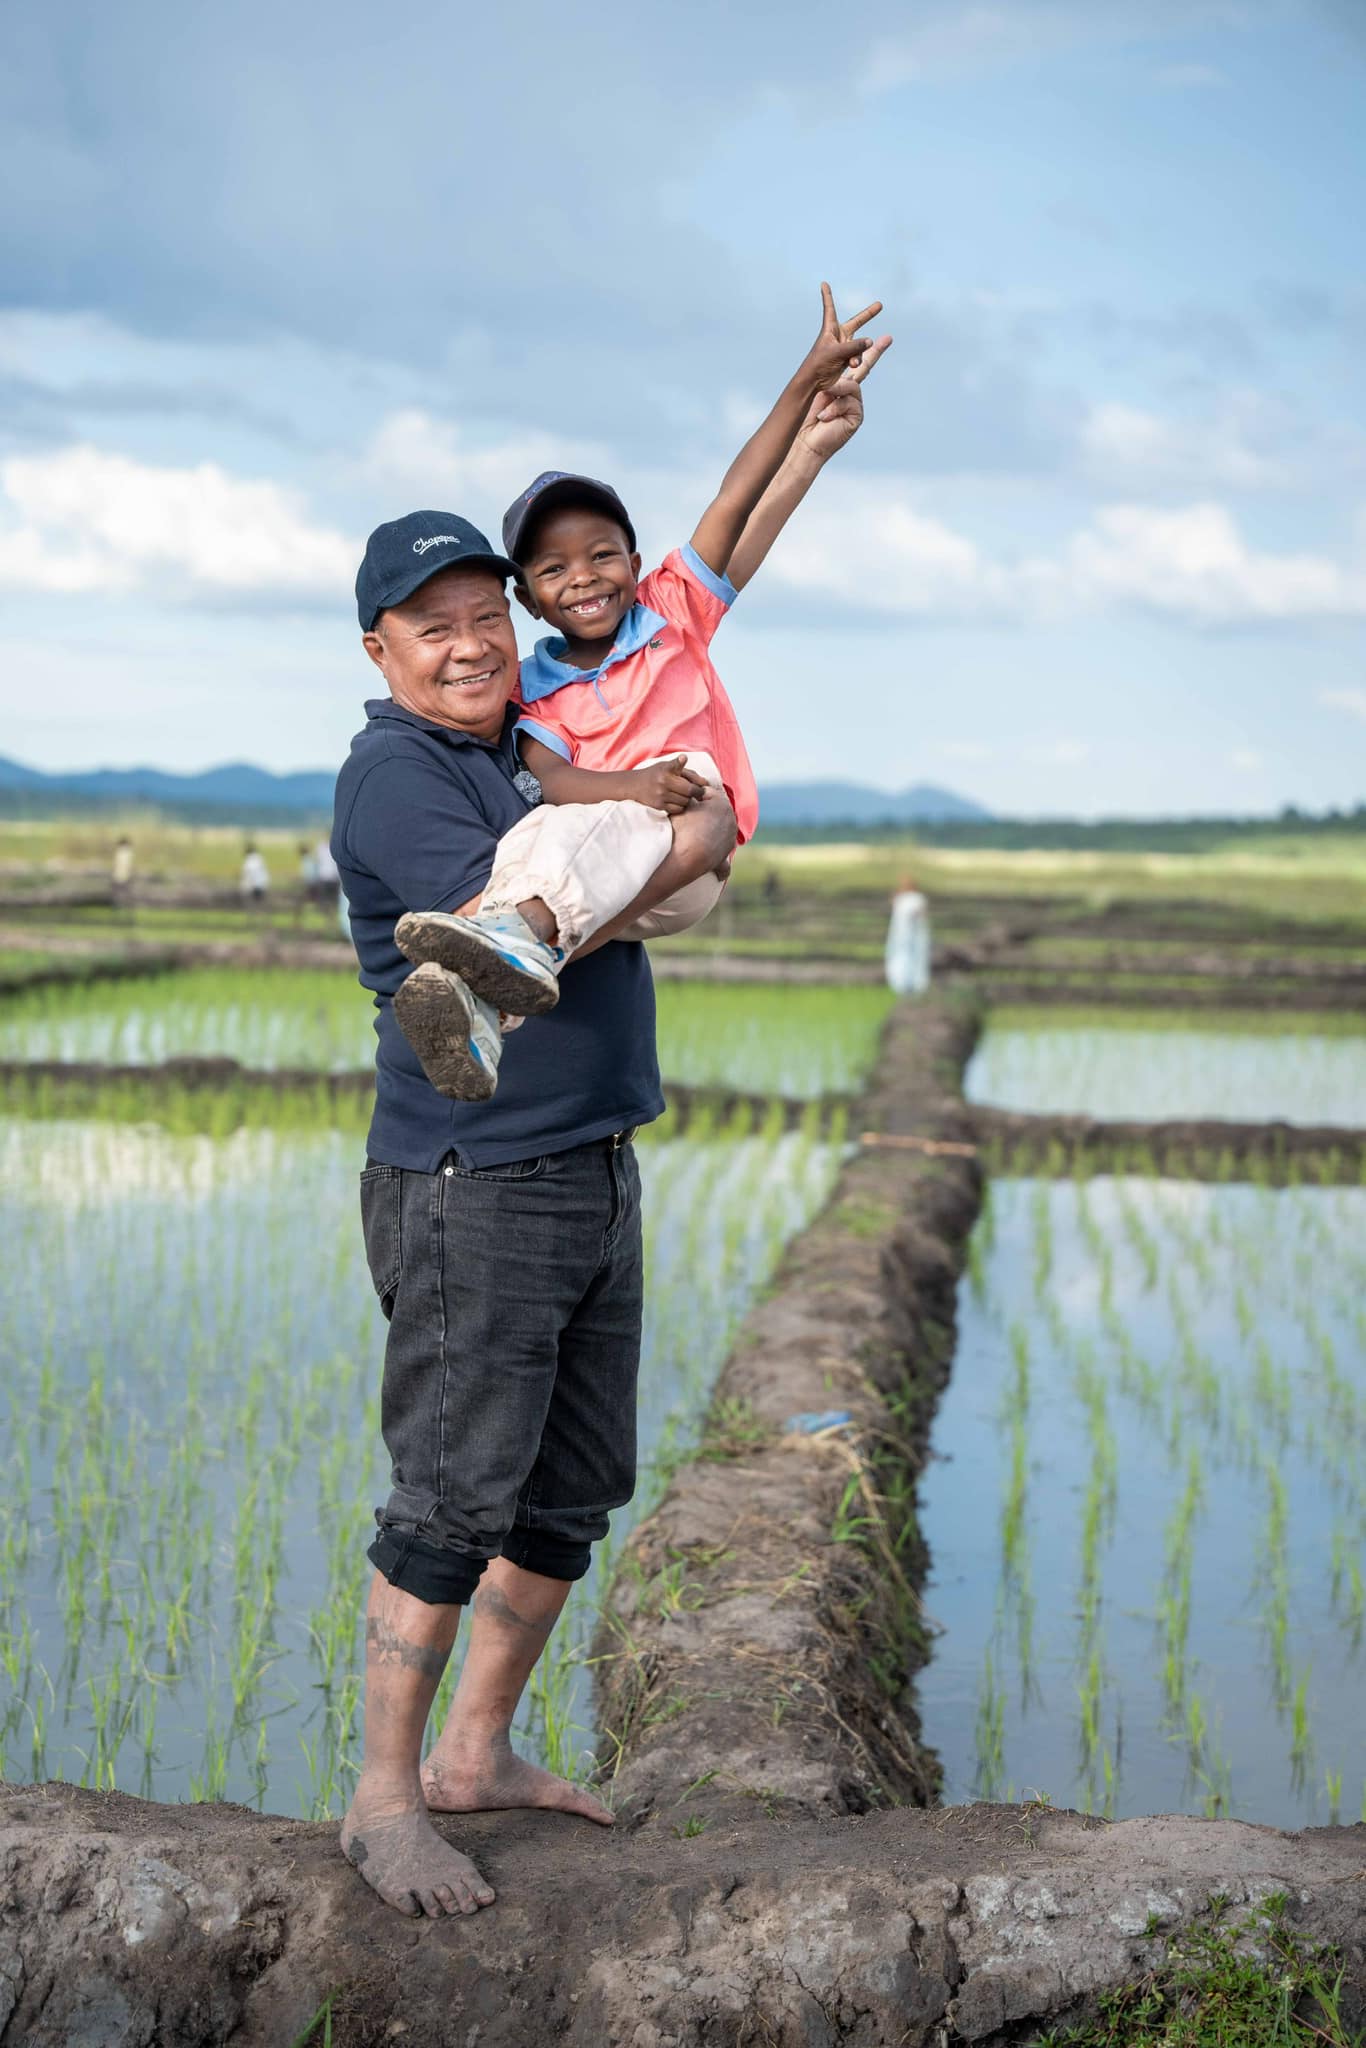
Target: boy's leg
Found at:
695, 900
454, 1033
585, 863
687, 907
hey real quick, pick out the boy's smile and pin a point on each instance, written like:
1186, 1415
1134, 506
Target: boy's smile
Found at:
580, 577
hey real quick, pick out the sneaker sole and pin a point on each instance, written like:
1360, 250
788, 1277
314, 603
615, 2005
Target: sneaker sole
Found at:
424, 1008
478, 963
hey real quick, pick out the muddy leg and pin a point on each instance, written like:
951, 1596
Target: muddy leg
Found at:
473, 1764
386, 1833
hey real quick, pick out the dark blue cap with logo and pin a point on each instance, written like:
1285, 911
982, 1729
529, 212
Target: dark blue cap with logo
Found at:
402, 554
557, 487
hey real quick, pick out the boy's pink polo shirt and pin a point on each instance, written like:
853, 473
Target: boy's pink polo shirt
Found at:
655, 693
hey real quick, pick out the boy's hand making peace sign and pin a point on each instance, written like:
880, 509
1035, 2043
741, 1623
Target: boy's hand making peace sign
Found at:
838, 349
836, 412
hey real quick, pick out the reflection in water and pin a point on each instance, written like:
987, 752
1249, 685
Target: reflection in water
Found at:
189, 1441
1162, 1387
1123, 1069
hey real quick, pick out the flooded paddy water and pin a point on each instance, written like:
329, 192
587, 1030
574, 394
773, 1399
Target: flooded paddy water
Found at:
1159, 1387
755, 1039
192, 1448
1146, 1503
1141, 1064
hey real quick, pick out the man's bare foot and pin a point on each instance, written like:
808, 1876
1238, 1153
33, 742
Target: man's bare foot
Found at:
475, 1780
401, 1856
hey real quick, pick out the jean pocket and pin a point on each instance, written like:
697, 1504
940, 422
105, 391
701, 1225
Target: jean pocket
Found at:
510, 1169
381, 1196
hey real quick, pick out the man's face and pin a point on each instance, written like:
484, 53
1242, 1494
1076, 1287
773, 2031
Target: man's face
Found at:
448, 652
580, 574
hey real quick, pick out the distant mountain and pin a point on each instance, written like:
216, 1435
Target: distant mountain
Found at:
855, 803
240, 791
236, 788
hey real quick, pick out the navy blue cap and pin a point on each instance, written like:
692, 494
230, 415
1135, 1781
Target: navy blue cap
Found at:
403, 553
558, 487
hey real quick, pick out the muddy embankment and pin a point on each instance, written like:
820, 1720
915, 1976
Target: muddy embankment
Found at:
775, 1876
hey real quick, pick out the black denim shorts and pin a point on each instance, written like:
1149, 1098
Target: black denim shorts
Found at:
513, 1295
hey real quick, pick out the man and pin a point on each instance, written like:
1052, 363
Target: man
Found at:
503, 1237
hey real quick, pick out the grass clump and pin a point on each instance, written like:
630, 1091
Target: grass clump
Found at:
1226, 1984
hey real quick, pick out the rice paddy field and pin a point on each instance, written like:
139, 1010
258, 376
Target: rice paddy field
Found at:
1166, 1064
803, 1042
191, 1365
1160, 1388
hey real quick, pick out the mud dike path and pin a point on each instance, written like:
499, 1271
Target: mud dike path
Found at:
779, 1874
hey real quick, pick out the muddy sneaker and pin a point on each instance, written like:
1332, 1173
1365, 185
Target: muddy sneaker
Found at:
495, 952
453, 1033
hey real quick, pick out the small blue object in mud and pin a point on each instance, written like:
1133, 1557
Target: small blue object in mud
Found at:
810, 1424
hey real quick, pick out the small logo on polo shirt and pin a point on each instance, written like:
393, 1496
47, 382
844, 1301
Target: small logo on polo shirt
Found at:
656, 642
420, 547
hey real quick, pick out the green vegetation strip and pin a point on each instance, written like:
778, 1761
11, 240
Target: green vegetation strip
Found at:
213, 1098
1251, 1983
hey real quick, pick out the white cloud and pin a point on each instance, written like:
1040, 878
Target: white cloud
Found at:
1194, 562
1353, 702
1128, 448
861, 542
420, 459
85, 519
1246, 760
963, 750
949, 40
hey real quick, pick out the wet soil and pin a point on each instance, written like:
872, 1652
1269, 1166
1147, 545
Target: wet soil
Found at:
764, 1617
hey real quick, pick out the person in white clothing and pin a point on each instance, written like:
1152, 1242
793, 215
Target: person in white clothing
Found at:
255, 876
908, 941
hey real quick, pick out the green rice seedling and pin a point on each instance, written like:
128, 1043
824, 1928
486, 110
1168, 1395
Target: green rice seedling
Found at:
1043, 1239
1089, 1695
1016, 1499
1300, 1742
990, 1733
1332, 1785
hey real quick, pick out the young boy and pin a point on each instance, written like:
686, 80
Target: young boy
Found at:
624, 723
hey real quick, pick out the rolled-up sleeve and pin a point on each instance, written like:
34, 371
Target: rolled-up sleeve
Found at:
418, 829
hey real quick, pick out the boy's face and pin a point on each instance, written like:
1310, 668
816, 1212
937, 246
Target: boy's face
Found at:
580, 574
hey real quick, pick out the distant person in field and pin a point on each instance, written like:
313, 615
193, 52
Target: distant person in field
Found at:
254, 880
908, 941
326, 879
121, 870
624, 726
504, 1235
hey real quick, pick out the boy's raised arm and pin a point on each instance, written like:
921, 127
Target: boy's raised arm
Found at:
834, 350
832, 422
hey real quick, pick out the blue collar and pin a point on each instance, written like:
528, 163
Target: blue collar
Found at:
544, 670
385, 707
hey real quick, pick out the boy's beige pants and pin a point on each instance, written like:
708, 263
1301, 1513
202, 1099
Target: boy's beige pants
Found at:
588, 861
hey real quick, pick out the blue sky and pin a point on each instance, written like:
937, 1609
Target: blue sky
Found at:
273, 274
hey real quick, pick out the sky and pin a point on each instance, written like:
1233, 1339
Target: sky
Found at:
273, 274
